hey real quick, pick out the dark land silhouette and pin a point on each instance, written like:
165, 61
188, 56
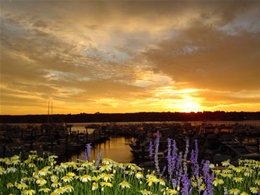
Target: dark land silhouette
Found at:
132, 117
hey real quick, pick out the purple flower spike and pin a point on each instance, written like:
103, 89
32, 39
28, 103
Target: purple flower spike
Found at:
185, 184
87, 151
98, 159
151, 149
156, 150
196, 154
174, 183
208, 178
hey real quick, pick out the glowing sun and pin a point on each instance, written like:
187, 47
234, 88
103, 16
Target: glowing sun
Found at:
191, 106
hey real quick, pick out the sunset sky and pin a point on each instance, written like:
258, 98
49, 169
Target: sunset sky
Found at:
129, 56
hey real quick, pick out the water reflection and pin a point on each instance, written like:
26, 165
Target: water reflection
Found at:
115, 148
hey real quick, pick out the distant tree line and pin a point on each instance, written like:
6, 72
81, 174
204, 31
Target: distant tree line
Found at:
132, 117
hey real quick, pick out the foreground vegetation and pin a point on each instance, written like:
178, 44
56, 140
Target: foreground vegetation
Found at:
183, 174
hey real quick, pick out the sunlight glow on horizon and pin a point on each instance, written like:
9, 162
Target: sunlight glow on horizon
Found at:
110, 57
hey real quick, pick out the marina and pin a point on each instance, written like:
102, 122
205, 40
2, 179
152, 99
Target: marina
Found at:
129, 142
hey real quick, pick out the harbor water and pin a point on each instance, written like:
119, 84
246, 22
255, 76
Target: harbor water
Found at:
115, 148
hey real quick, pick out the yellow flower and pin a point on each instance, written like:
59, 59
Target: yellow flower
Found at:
107, 184
168, 191
238, 169
31, 165
133, 167
87, 164
44, 171
15, 160
161, 181
96, 178
54, 178
151, 179
254, 190
94, 186
124, 184
225, 163
244, 193
106, 168
64, 165
72, 164
145, 192
80, 168
107, 177
60, 190
11, 170
67, 178
217, 181
70, 174
129, 172
55, 184
226, 175
247, 173
226, 171
68, 188
9, 185
41, 181
121, 165
139, 175
29, 192
107, 161
194, 183
44, 190
85, 178
234, 191
257, 181
202, 187
21, 186
238, 179
2, 170
217, 171
40, 159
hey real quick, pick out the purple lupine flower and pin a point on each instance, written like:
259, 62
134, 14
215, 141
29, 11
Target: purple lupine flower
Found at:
151, 149
98, 159
185, 184
208, 178
196, 153
174, 158
186, 149
156, 149
87, 151
185, 167
209, 188
178, 178
192, 157
169, 158
174, 183
258, 193
164, 169
178, 161
205, 167
196, 169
